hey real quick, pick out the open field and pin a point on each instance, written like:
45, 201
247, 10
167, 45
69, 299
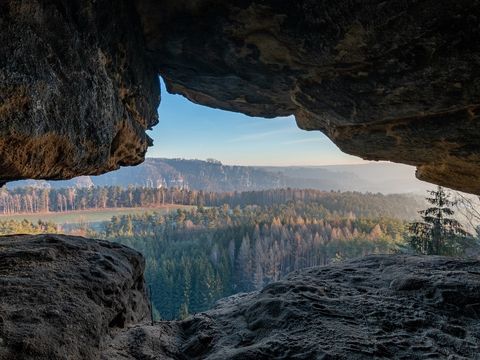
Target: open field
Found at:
90, 215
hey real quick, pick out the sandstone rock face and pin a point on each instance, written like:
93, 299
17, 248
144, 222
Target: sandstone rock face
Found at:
65, 297
385, 80
76, 91
400, 307
62, 297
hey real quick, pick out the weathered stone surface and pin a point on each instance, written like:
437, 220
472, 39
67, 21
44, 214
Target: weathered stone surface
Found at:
395, 307
385, 80
62, 297
76, 91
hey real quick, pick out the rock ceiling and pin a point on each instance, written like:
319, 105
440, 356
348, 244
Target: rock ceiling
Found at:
384, 80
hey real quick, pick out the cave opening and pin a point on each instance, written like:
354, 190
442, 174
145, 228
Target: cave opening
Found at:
254, 239
191, 131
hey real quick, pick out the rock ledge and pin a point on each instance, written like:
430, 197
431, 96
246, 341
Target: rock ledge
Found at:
401, 307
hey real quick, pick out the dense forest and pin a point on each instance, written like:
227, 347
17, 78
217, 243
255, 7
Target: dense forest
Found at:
194, 257
227, 242
38, 200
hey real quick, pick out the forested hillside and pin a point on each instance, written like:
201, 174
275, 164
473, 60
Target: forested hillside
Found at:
34, 200
211, 175
208, 175
196, 257
229, 242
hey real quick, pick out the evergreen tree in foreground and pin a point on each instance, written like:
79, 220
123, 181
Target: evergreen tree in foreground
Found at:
439, 233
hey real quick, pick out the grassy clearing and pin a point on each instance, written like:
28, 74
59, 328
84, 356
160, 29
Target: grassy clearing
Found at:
88, 216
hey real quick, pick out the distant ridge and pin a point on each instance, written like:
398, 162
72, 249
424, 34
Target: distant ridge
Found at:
212, 175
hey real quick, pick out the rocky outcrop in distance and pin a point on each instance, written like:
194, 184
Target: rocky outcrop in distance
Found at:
216, 177
63, 297
377, 307
385, 80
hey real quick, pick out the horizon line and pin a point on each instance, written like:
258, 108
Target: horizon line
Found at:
364, 162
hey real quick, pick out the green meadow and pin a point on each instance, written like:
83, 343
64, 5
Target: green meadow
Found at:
88, 216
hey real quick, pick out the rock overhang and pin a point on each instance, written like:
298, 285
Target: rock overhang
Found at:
385, 80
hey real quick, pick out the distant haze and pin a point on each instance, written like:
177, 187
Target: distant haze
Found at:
212, 175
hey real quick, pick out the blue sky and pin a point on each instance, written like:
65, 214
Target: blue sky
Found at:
191, 131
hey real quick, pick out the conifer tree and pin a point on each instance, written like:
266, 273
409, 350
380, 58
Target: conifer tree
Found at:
438, 233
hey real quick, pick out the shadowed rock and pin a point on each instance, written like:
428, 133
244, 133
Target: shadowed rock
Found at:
399, 307
76, 91
62, 297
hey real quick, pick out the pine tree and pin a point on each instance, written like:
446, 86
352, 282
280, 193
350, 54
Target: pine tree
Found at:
244, 265
439, 233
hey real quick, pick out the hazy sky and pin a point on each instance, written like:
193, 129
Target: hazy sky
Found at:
191, 131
